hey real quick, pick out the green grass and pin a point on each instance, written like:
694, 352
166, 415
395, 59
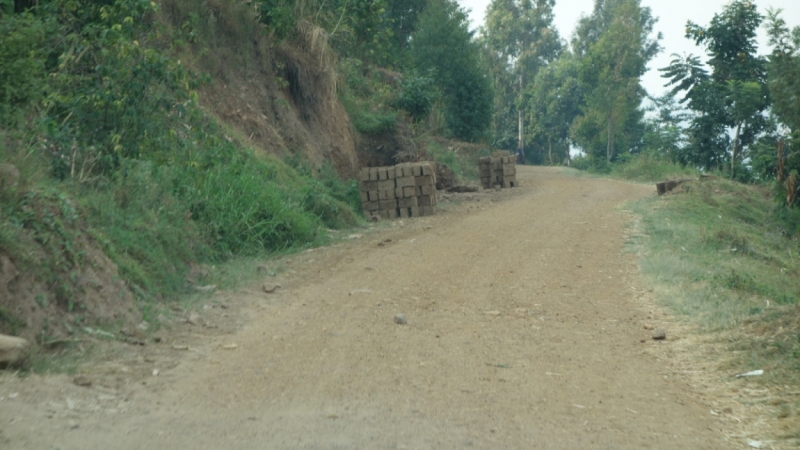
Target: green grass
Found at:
724, 256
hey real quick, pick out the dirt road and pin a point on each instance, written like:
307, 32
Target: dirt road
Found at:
525, 331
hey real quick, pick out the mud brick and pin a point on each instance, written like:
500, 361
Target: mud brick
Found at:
512, 159
364, 174
484, 160
426, 200
405, 181
413, 211
392, 213
505, 160
403, 213
426, 190
386, 195
403, 171
370, 206
510, 182
364, 197
427, 210
398, 192
423, 180
427, 169
369, 185
388, 204
386, 185
417, 170
509, 170
384, 214
373, 174
407, 202
373, 196
391, 173
409, 191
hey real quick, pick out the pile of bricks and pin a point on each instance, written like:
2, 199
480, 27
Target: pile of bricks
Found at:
500, 169
404, 190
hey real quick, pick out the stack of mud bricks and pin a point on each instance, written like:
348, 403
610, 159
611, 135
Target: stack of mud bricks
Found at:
404, 190
500, 169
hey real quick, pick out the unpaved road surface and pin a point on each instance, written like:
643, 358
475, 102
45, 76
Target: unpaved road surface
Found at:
525, 331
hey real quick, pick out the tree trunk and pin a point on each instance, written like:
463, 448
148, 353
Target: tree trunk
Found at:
610, 142
521, 143
569, 157
550, 149
735, 148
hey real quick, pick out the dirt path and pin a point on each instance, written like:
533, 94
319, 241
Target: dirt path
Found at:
524, 331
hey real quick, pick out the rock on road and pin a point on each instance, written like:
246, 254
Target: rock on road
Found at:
522, 331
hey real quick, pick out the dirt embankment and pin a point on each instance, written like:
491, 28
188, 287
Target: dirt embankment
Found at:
525, 329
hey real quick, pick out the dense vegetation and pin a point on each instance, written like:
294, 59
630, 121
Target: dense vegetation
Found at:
104, 127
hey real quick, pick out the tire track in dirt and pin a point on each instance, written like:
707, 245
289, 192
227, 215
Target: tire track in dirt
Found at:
523, 332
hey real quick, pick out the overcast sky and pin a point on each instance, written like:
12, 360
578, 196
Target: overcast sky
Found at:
672, 16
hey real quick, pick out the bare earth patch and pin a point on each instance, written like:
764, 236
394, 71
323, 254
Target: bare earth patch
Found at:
526, 326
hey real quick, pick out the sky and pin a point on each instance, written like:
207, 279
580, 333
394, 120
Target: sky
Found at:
672, 16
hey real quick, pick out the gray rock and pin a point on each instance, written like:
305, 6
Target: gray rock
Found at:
400, 319
659, 335
12, 349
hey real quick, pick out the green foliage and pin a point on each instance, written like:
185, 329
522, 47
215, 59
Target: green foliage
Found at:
784, 87
732, 97
553, 102
135, 165
417, 96
366, 98
277, 15
443, 45
22, 63
613, 46
520, 39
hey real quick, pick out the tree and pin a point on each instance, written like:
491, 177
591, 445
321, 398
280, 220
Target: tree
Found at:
443, 45
554, 101
521, 35
403, 16
614, 46
784, 86
733, 96
664, 132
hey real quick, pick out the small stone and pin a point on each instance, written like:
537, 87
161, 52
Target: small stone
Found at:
728, 410
195, 319
206, 289
270, 288
73, 425
647, 326
400, 319
82, 380
659, 335
156, 372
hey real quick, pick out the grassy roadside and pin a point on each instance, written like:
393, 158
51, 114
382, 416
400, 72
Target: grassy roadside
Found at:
725, 257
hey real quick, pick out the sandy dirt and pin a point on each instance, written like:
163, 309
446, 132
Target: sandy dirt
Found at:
525, 331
